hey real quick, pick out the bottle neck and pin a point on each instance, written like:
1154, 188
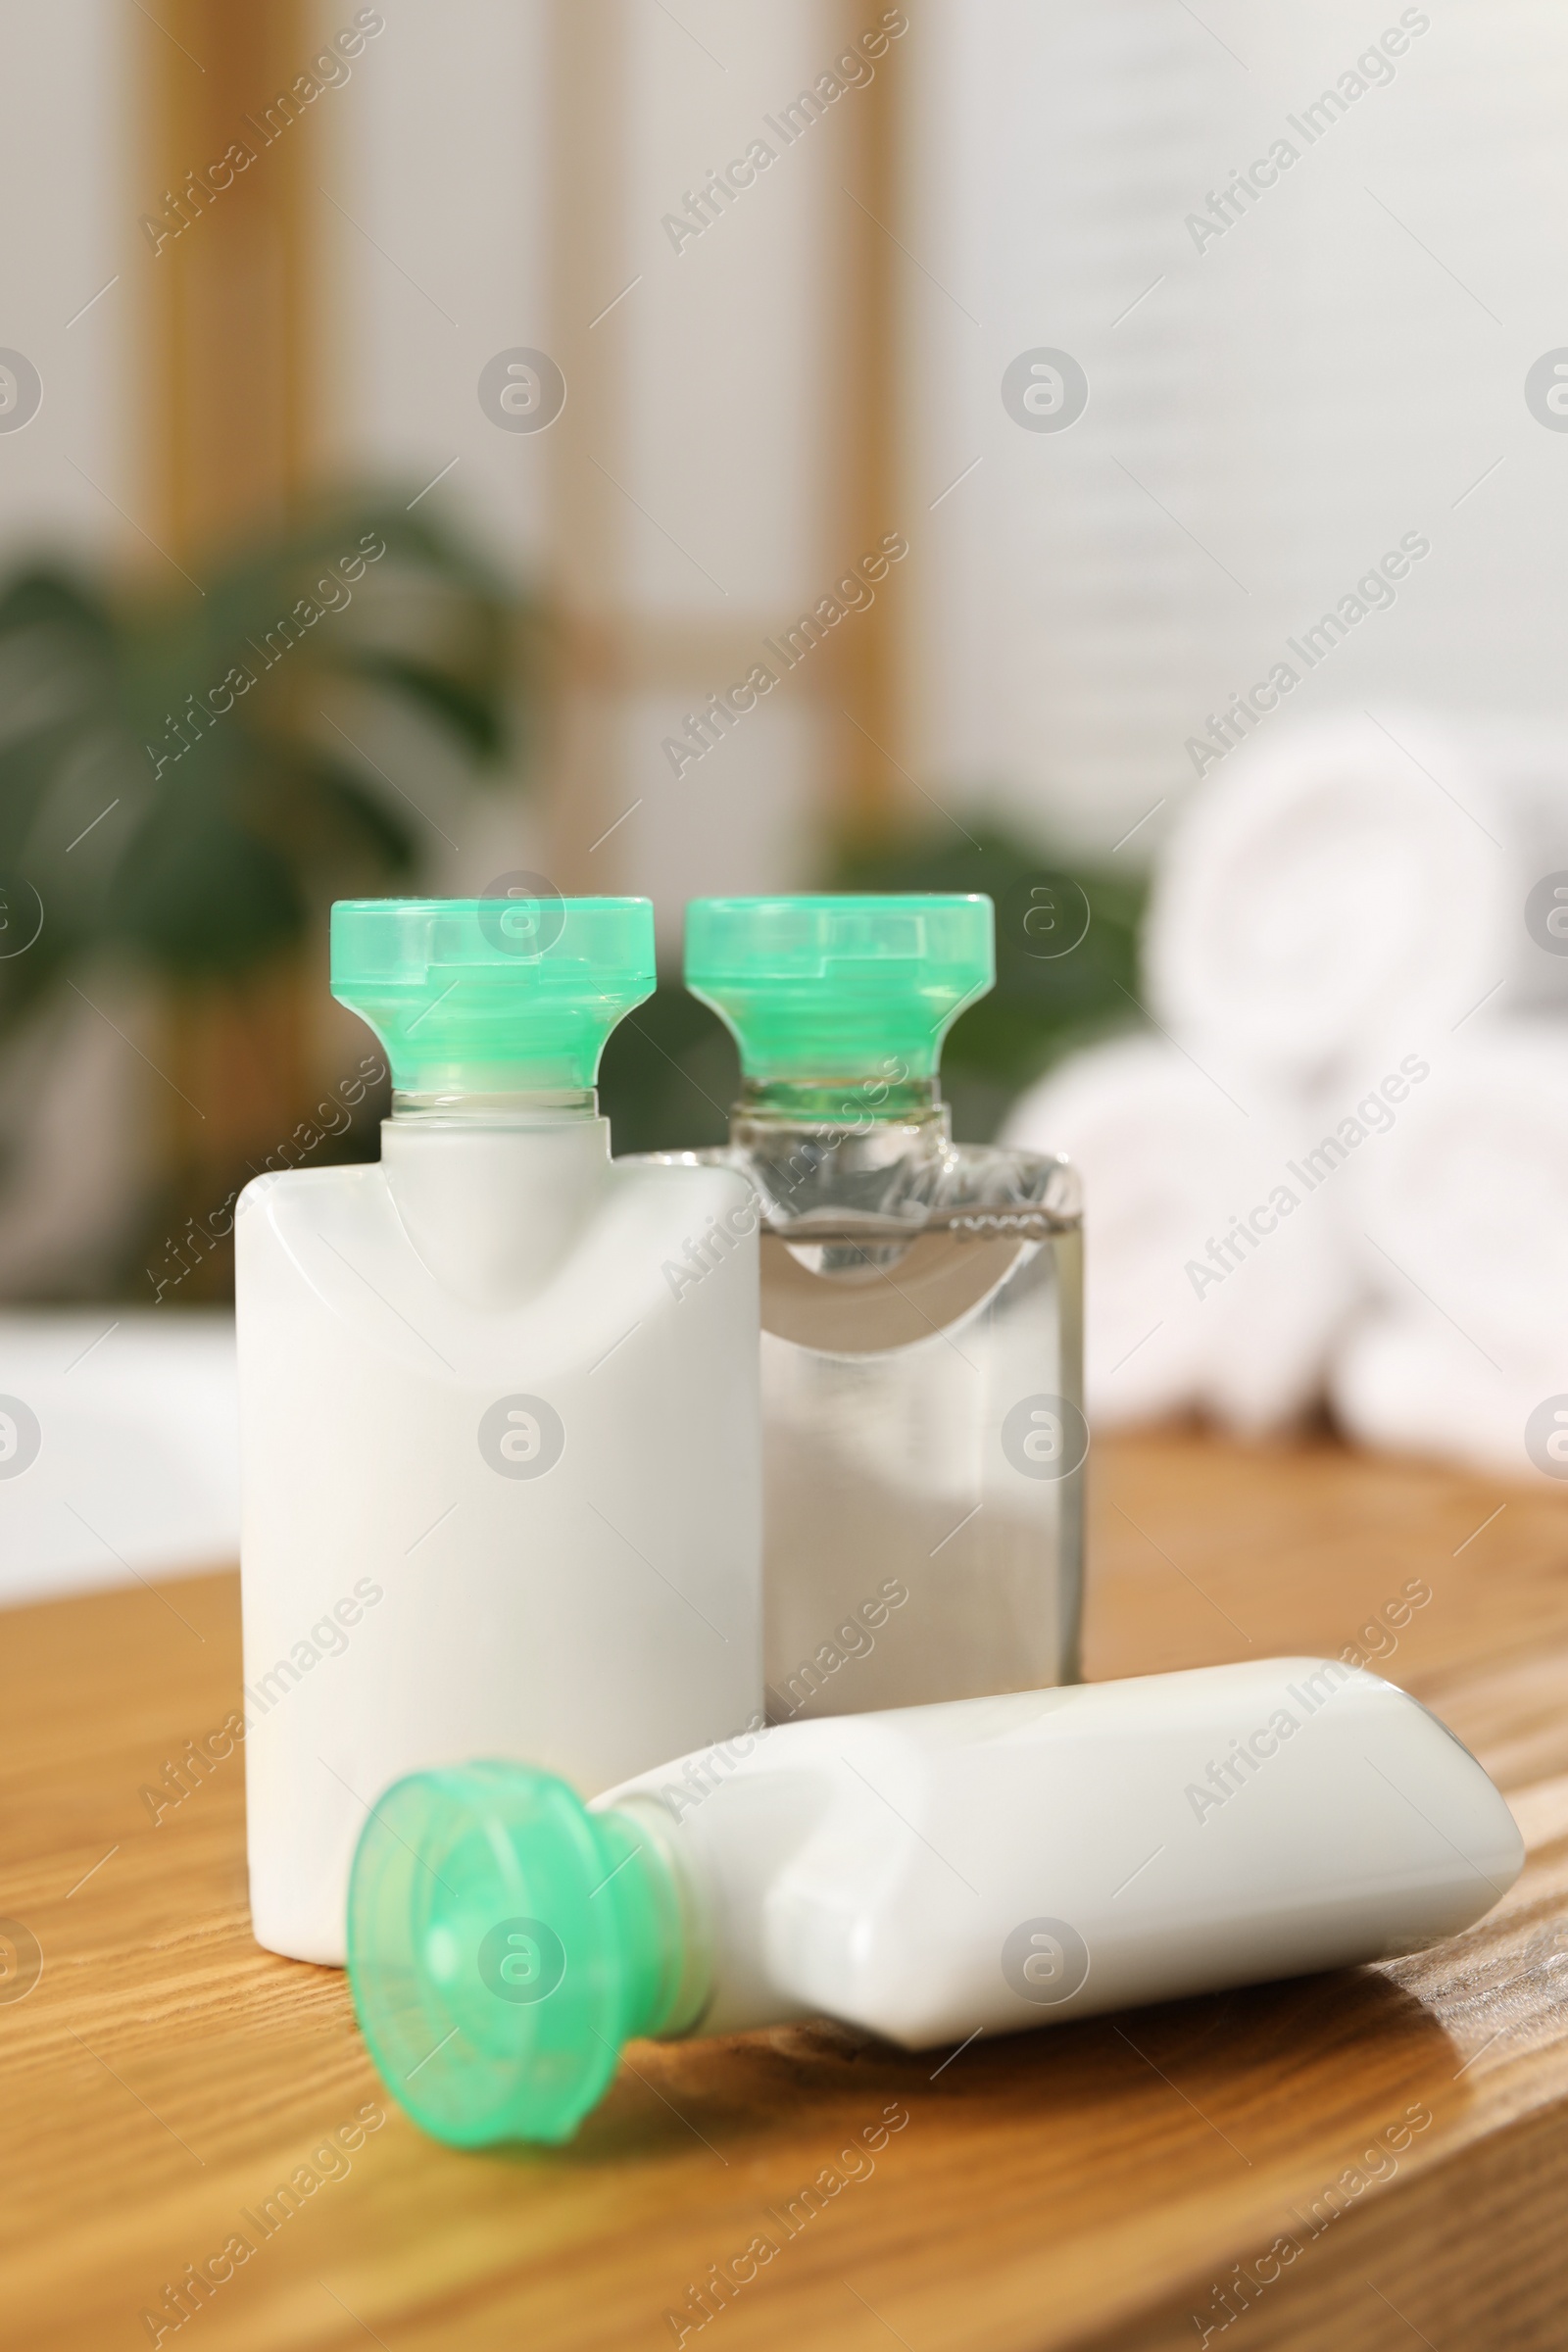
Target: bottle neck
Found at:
661, 1926
495, 1192
847, 1104
542, 1109
873, 1147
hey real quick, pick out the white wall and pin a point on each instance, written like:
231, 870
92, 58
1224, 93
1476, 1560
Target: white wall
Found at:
1271, 414
727, 433
717, 429
1312, 384
66, 194
436, 150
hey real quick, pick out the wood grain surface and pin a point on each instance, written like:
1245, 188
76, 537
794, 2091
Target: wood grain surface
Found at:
1252, 2165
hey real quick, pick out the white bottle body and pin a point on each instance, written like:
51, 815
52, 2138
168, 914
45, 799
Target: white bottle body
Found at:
434, 1567
1008, 1862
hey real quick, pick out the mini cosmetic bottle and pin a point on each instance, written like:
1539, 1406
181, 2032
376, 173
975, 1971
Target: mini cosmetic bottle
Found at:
922, 1311
500, 1486
927, 1874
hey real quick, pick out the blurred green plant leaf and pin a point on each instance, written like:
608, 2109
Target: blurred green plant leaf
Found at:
164, 781
669, 1075
473, 715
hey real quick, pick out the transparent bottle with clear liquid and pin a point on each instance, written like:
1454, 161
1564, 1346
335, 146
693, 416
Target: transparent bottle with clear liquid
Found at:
921, 1306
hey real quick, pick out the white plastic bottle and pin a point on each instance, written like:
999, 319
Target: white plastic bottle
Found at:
500, 1487
928, 1874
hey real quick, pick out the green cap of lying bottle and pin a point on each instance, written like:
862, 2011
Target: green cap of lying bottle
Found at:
503, 1941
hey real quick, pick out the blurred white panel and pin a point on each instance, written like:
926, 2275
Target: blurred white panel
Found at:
725, 337
1059, 601
1274, 401
79, 1137
740, 819
436, 256
119, 1447
721, 343
69, 206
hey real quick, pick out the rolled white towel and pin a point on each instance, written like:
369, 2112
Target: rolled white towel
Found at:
1531, 760
1462, 1209
1410, 1383
1331, 879
1211, 1281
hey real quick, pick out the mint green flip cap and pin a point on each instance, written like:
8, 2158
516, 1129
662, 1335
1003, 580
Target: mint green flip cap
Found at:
492, 996
503, 1941
834, 988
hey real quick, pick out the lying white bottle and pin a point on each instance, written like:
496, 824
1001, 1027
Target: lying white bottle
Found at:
501, 1487
927, 1873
